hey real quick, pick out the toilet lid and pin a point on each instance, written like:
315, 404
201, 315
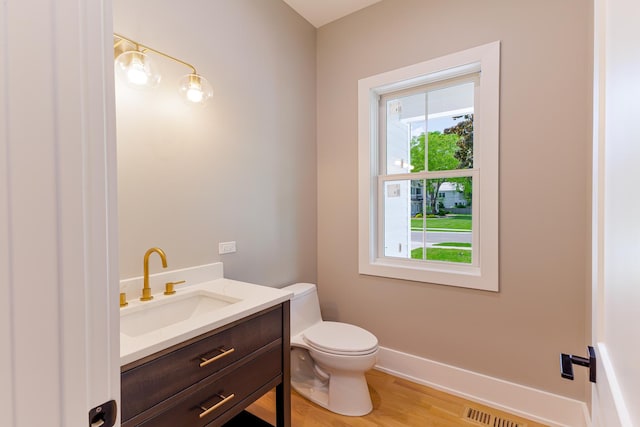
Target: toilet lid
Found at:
340, 338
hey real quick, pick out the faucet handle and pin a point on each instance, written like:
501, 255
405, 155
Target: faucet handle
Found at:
168, 287
123, 299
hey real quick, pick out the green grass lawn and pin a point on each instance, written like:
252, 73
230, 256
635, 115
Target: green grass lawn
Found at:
437, 254
456, 244
453, 222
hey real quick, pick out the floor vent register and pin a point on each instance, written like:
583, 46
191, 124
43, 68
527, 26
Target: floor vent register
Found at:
484, 418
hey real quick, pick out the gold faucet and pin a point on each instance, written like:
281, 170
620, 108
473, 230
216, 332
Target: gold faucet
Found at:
146, 290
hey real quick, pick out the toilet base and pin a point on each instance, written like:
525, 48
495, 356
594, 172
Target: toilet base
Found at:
349, 396
345, 393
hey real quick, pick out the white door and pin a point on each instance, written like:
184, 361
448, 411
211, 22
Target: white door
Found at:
59, 340
616, 214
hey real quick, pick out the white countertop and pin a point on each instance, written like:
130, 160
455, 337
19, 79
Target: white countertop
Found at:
253, 298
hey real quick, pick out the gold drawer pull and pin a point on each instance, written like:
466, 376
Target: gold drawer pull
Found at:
224, 353
217, 405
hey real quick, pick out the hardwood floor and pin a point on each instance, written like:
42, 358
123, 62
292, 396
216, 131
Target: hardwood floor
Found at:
396, 403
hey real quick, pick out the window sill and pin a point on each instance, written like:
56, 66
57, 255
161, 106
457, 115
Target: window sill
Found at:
465, 276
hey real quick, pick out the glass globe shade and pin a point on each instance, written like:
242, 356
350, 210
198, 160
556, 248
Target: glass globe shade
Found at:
137, 70
195, 89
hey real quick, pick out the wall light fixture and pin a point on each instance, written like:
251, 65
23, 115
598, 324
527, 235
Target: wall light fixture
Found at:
134, 66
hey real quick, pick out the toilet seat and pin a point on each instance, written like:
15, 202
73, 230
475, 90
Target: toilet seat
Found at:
340, 339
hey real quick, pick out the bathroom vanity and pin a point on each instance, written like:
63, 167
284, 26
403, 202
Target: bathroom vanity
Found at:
223, 362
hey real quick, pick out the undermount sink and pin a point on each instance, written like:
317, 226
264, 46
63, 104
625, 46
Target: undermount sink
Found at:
166, 311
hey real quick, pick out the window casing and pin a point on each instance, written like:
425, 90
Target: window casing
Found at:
393, 191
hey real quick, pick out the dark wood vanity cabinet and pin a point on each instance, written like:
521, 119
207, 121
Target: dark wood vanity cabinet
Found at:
208, 380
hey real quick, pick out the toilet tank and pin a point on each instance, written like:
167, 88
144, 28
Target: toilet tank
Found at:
305, 307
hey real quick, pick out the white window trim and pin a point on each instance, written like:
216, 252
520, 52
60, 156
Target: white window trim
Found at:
481, 275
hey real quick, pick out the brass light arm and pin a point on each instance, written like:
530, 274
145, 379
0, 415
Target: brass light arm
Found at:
118, 43
140, 45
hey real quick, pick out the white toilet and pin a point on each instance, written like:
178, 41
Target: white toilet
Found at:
329, 359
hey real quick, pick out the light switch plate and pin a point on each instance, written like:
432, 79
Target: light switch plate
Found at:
226, 247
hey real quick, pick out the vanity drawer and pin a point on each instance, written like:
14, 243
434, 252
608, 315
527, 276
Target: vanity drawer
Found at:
240, 382
150, 383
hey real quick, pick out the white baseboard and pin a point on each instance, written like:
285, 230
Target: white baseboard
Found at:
527, 402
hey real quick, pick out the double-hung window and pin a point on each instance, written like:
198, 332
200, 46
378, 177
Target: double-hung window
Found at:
428, 170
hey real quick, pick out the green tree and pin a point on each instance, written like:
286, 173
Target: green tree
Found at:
464, 152
464, 131
452, 149
440, 150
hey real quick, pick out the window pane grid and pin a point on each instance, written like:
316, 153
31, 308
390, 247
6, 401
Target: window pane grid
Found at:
426, 172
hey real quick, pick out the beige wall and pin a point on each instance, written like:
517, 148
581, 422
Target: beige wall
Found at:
244, 167
518, 333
